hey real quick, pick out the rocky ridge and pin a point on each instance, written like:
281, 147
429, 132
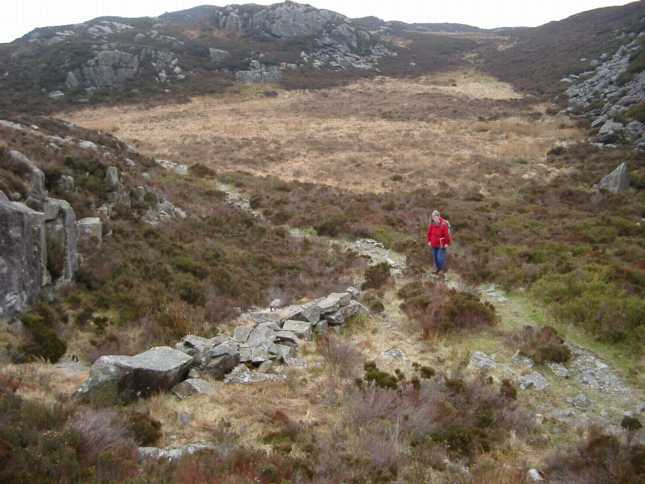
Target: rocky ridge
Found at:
118, 52
42, 241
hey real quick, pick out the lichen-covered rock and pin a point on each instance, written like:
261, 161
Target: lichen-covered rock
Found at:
301, 329
192, 386
126, 378
62, 235
241, 375
218, 55
172, 453
23, 255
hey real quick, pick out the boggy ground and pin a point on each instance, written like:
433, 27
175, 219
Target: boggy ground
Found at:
371, 136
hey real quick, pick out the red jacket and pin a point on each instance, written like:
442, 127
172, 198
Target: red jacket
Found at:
439, 234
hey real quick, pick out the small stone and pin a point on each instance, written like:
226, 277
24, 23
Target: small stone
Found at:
559, 370
533, 381
580, 401
394, 354
522, 361
355, 293
535, 475
482, 361
335, 319
192, 386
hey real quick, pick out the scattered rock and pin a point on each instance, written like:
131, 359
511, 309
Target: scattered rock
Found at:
482, 361
535, 475
192, 386
534, 381
241, 375
218, 55
394, 354
559, 370
172, 453
580, 401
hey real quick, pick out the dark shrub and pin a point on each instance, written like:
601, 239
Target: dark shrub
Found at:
600, 458
442, 310
44, 342
378, 377
373, 302
202, 171
331, 227
145, 429
55, 256
542, 345
377, 276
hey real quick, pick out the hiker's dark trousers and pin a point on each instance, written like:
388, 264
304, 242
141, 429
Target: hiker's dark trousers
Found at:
439, 258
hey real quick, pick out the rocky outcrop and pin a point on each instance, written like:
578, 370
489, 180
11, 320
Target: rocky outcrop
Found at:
39, 242
259, 73
126, 378
114, 68
606, 93
23, 256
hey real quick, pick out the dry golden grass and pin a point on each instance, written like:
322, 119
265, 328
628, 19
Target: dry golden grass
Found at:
453, 127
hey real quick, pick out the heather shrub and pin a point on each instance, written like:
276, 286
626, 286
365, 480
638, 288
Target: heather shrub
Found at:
589, 299
43, 341
377, 276
541, 345
99, 432
392, 427
440, 310
373, 302
599, 458
341, 356
145, 430
43, 443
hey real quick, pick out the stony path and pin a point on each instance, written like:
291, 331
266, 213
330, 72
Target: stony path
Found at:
587, 390
372, 250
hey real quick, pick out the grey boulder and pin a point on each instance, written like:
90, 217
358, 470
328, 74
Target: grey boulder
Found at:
126, 378
617, 181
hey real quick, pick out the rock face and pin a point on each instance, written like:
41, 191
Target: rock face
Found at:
38, 242
617, 181
126, 378
23, 257
606, 92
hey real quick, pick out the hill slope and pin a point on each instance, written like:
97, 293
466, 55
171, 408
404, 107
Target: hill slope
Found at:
535, 59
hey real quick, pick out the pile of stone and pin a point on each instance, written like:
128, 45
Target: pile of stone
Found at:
268, 338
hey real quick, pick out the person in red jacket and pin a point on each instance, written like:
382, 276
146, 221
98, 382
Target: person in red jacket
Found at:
439, 239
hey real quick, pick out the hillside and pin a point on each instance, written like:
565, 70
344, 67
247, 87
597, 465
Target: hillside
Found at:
220, 261
536, 59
